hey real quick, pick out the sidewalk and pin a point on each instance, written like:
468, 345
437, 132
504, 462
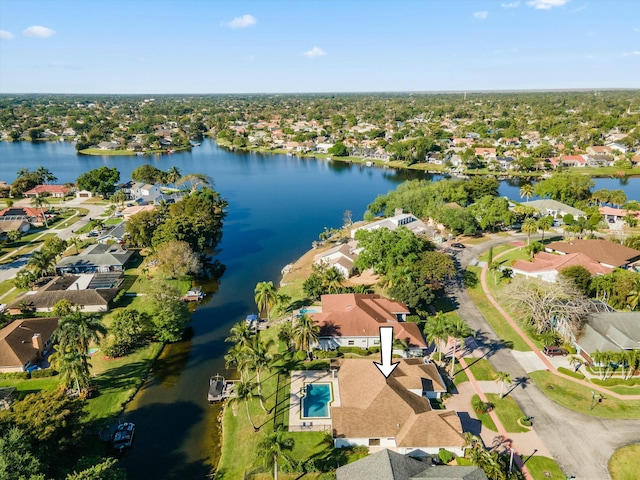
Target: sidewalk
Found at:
546, 361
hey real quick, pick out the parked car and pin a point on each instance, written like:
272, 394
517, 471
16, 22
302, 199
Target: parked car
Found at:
552, 351
457, 245
92, 233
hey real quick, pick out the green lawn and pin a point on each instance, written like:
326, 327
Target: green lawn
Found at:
113, 221
24, 387
623, 464
481, 368
495, 319
543, 468
485, 418
460, 375
577, 397
508, 412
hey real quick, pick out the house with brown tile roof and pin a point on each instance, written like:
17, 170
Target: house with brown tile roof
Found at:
354, 320
547, 266
610, 254
23, 342
378, 412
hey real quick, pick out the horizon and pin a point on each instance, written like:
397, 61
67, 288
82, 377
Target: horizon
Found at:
250, 47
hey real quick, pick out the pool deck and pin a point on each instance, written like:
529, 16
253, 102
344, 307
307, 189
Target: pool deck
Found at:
298, 379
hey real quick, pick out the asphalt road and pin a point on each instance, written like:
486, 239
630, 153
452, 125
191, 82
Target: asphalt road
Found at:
582, 445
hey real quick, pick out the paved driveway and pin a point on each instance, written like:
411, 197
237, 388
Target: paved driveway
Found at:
582, 445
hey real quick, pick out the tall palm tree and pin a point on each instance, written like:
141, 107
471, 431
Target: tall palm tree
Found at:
526, 191
75, 241
173, 175
529, 226
41, 202
274, 447
245, 391
544, 224
236, 357
45, 175
436, 331
283, 302
332, 280
305, 333
503, 377
73, 369
240, 334
458, 330
258, 358
76, 331
265, 297
41, 262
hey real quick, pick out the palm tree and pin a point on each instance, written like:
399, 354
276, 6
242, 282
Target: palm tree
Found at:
173, 175
332, 279
73, 369
45, 175
502, 377
526, 191
240, 334
544, 224
244, 391
41, 262
529, 226
265, 297
283, 302
575, 360
286, 334
274, 447
305, 333
76, 331
258, 358
236, 357
458, 330
41, 202
436, 331
75, 241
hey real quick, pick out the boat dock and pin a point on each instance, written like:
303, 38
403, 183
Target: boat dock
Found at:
220, 389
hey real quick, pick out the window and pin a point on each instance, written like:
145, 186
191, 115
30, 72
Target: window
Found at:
351, 342
374, 442
376, 342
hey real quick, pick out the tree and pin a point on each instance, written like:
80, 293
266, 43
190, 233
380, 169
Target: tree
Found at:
100, 181
77, 330
128, 329
458, 330
73, 367
41, 202
579, 275
544, 224
259, 358
492, 211
529, 226
17, 458
244, 391
526, 191
148, 174
339, 150
502, 378
332, 280
565, 187
41, 262
274, 448
106, 469
64, 307
305, 333
173, 175
119, 197
436, 331
169, 315
176, 259
265, 297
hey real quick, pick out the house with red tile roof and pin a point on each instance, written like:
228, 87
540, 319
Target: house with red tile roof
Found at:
609, 254
56, 191
617, 213
354, 320
547, 266
485, 152
573, 161
33, 215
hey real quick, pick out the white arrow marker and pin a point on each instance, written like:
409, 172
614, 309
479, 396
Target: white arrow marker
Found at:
386, 347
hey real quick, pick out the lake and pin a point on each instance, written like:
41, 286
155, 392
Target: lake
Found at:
277, 206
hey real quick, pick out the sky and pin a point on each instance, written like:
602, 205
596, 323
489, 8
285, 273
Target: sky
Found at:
299, 46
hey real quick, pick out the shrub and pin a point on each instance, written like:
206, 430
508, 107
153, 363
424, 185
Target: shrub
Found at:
445, 456
479, 406
121, 293
14, 376
374, 349
300, 355
571, 373
526, 421
355, 350
326, 353
47, 372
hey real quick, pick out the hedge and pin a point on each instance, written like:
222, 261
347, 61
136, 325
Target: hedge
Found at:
613, 382
571, 373
14, 376
47, 372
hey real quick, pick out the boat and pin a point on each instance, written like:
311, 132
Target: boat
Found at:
194, 294
140, 154
252, 322
369, 164
123, 436
216, 388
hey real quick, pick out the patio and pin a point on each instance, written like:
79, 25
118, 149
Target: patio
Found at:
299, 378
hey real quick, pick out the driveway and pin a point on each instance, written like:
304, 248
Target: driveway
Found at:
582, 445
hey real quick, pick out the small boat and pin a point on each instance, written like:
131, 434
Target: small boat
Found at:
170, 150
193, 295
216, 388
369, 164
123, 436
140, 154
252, 322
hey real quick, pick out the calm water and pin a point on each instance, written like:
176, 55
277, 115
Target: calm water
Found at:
277, 206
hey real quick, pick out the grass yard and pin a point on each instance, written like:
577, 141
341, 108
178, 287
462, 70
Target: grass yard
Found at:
485, 418
578, 398
495, 319
460, 375
113, 221
623, 464
33, 385
481, 368
542, 468
508, 412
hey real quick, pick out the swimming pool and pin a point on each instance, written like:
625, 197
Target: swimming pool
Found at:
316, 400
307, 310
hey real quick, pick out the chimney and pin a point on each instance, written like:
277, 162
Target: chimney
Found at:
398, 211
36, 340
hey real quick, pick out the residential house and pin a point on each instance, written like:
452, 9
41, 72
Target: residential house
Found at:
505, 163
599, 160
342, 257
384, 412
129, 212
354, 320
7, 226
609, 332
400, 219
599, 150
618, 214
84, 194
618, 147
111, 145
114, 235
554, 208
486, 153
386, 464
31, 215
95, 258
56, 191
547, 266
609, 254
23, 342
573, 161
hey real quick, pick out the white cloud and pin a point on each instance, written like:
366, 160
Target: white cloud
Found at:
242, 22
510, 4
4, 35
315, 52
547, 4
481, 15
636, 29
38, 31
631, 54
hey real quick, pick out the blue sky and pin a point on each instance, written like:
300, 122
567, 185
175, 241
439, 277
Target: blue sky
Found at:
206, 46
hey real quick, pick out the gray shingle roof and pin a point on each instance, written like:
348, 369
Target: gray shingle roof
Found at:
383, 465
445, 472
